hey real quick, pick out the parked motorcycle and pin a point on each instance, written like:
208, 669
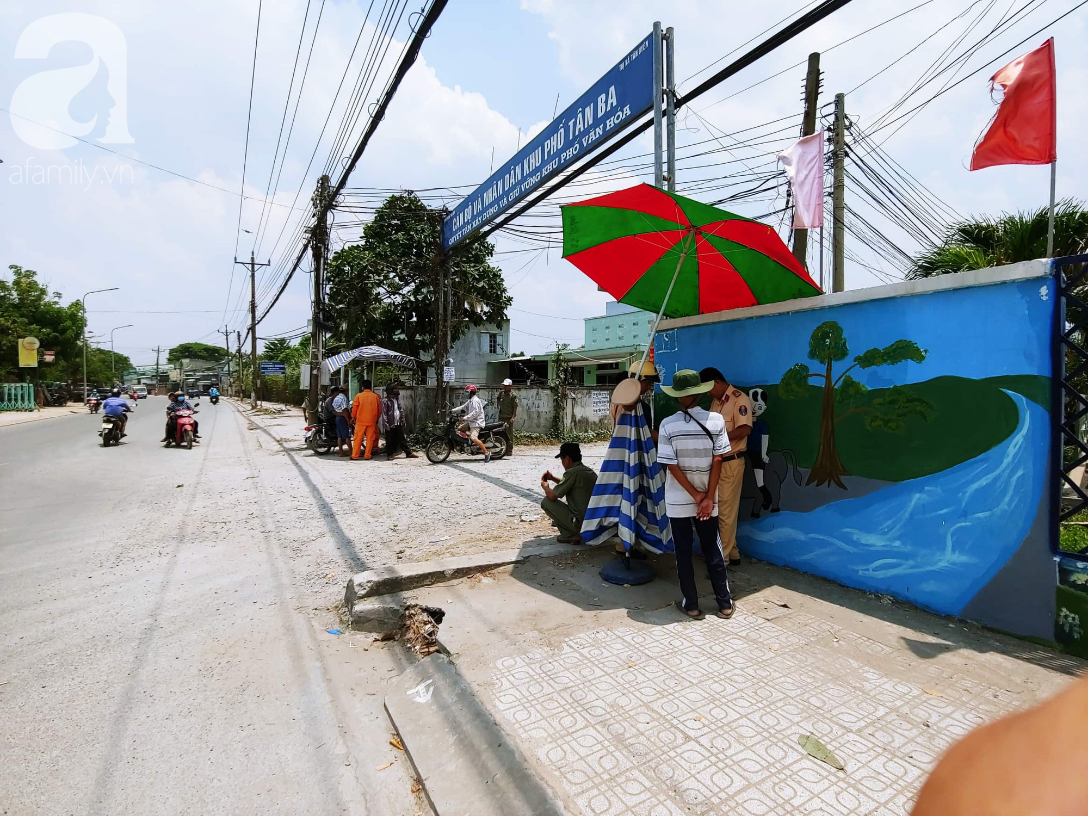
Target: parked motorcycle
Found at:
321, 437
93, 404
494, 435
184, 429
110, 430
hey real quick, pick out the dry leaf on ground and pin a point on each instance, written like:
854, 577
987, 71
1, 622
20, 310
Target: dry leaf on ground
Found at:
816, 749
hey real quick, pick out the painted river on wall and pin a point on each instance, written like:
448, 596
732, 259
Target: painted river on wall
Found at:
936, 540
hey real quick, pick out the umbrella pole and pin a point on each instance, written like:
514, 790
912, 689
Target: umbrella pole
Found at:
664, 303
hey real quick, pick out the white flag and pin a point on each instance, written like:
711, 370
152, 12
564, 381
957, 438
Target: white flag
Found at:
804, 163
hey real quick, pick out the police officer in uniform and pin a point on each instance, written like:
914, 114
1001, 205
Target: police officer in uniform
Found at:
736, 409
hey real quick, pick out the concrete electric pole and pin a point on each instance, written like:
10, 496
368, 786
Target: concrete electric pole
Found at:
838, 227
319, 244
253, 321
808, 127
226, 345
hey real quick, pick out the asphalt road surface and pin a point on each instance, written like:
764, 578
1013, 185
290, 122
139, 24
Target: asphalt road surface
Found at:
152, 659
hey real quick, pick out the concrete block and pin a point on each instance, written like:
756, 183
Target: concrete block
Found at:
466, 764
406, 577
376, 617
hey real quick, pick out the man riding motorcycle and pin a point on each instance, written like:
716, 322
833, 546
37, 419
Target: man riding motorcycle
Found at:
213, 392
117, 406
178, 402
474, 420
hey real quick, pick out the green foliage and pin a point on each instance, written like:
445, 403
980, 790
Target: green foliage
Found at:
900, 351
559, 385
795, 382
196, 351
849, 391
281, 351
827, 343
28, 309
1073, 538
891, 409
1009, 238
384, 291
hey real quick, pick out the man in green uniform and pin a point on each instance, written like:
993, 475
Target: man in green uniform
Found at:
576, 486
508, 410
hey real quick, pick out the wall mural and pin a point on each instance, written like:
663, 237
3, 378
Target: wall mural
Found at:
903, 446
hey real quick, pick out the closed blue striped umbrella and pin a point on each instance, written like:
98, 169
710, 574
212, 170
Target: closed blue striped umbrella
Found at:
629, 499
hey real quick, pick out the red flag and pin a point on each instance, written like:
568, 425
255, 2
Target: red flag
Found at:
1024, 129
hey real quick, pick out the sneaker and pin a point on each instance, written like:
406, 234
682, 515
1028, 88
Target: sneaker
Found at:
487, 457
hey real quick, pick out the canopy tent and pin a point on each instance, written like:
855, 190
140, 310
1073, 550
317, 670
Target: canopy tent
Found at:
368, 354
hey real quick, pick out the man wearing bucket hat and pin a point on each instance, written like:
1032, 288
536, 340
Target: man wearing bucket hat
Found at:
691, 443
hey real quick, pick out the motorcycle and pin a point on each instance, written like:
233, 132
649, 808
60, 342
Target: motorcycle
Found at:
184, 429
215, 399
493, 434
318, 437
110, 430
93, 404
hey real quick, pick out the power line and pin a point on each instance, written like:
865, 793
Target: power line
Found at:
408, 58
245, 155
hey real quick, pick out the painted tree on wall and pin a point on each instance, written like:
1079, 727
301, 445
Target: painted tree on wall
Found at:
889, 412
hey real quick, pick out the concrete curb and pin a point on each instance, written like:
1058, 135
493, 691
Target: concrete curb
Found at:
37, 416
464, 760
405, 577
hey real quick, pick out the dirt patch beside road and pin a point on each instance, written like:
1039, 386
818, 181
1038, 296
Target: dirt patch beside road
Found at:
402, 511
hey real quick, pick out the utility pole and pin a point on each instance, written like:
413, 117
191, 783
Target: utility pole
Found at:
838, 231
226, 345
808, 127
319, 242
252, 322
238, 337
158, 351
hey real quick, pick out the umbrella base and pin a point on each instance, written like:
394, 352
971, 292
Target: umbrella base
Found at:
625, 572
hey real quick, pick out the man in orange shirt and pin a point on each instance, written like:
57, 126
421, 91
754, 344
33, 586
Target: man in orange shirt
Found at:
735, 407
366, 409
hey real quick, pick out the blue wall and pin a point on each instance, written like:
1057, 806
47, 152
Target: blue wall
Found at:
969, 539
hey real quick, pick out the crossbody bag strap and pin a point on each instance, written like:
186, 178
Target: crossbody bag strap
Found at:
706, 430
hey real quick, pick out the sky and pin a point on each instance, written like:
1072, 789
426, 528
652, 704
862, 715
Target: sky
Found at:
167, 88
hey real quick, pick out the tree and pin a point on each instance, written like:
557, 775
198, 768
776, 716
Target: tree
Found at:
1009, 238
384, 291
196, 351
827, 345
28, 309
282, 351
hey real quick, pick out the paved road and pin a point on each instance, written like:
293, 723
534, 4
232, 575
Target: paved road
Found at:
151, 658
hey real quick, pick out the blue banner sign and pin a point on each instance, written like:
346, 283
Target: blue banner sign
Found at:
614, 102
273, 368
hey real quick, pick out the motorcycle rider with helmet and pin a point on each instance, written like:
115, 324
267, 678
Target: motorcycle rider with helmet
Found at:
117, 406
474, 420
178, 402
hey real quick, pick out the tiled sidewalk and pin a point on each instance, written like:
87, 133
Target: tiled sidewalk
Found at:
704, 718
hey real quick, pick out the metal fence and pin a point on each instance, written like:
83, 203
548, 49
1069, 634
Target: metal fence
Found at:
17, 397
1069, 404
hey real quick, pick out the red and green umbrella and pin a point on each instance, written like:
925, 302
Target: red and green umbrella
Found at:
630, 243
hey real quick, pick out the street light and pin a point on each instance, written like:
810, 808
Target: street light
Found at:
113, 364
84, 301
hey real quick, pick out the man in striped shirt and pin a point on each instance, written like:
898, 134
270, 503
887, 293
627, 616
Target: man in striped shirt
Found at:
691, 444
